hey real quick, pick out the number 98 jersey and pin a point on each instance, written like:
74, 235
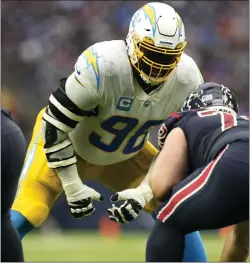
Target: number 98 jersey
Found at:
121, 113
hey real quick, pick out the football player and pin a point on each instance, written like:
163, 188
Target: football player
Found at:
13, 147
97, 122
204, 182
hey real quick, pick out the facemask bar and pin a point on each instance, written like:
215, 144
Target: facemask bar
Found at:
156, 72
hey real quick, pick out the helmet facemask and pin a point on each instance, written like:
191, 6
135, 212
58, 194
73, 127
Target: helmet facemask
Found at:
154, 64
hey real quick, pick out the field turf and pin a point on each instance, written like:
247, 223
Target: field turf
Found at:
89, 246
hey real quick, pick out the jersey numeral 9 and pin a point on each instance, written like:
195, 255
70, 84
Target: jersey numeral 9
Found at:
121, 134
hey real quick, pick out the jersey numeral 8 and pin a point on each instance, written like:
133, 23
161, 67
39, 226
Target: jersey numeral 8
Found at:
120, 134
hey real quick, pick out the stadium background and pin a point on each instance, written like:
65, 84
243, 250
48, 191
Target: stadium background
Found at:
41, 41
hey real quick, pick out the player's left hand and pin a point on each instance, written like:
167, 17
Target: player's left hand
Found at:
135, 200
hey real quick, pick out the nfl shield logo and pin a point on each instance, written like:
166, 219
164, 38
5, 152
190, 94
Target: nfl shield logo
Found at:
146, 103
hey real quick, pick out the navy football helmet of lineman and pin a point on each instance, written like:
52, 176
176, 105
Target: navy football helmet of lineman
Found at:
212, 95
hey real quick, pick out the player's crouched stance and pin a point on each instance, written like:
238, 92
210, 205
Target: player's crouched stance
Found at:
201, 173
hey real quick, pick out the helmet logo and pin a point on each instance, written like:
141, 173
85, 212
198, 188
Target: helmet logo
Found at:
149, 12
136, 19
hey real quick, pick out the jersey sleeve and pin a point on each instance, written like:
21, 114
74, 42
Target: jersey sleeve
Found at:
195, 81
188, 72
77, 96
189, 77
166, 128
84, 90
174, 120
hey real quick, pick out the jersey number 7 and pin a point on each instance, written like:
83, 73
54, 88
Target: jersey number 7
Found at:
228, 120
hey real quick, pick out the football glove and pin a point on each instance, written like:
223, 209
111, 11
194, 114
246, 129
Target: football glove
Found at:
82, 205
135, 200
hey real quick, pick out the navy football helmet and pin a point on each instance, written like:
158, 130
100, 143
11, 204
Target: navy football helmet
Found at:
211, 94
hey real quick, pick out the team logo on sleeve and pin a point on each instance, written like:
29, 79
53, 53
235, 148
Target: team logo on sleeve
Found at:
162, 134
124, 103
91, 58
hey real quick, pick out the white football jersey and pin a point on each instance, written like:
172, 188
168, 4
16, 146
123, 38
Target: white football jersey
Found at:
103, 80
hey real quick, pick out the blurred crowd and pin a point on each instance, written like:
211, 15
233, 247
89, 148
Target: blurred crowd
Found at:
41, 41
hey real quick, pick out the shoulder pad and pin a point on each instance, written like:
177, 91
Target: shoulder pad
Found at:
102, 59
114, 57
187, 71
175, 117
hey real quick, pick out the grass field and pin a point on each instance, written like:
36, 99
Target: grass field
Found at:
86, 246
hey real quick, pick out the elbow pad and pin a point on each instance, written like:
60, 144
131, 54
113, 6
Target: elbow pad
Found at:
58, 147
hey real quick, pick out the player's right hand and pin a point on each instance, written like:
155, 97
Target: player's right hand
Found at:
82, 205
